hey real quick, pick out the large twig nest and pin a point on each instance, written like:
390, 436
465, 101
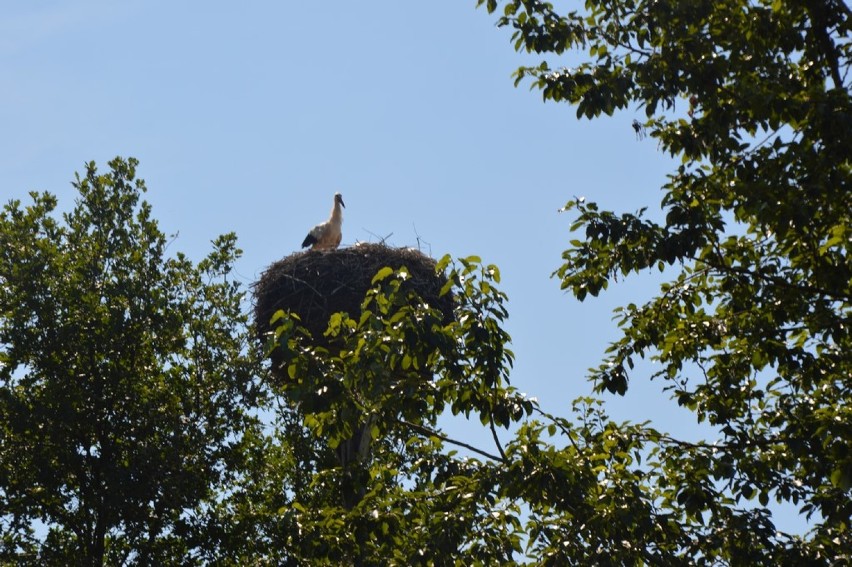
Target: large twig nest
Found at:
316, 284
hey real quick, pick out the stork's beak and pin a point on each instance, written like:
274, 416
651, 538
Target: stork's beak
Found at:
342, 204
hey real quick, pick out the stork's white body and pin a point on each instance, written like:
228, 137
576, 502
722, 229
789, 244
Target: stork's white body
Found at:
327, 235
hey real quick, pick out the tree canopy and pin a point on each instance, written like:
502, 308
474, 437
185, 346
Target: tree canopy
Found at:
753, 333
125, 379
130, 396
750, 331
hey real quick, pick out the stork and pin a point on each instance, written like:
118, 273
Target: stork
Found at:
327, 235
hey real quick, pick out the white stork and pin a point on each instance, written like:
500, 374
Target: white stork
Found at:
326, 235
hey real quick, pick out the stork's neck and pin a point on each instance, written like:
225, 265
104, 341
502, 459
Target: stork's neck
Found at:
337, 214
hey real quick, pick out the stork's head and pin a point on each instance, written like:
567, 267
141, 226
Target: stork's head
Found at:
338, 198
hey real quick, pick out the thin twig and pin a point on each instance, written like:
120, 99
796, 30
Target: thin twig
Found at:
561, 427
432, 433
382, 240
419, 240
496, 439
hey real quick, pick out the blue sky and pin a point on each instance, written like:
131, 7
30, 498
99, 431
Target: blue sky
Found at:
247, 117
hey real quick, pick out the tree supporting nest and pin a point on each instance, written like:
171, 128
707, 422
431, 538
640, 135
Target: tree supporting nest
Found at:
316, 284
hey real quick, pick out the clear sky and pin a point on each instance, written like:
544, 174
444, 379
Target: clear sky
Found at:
248, 116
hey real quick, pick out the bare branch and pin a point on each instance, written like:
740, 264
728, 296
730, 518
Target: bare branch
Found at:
432, 433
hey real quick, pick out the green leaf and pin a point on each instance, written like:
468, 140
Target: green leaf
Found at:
382, 274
